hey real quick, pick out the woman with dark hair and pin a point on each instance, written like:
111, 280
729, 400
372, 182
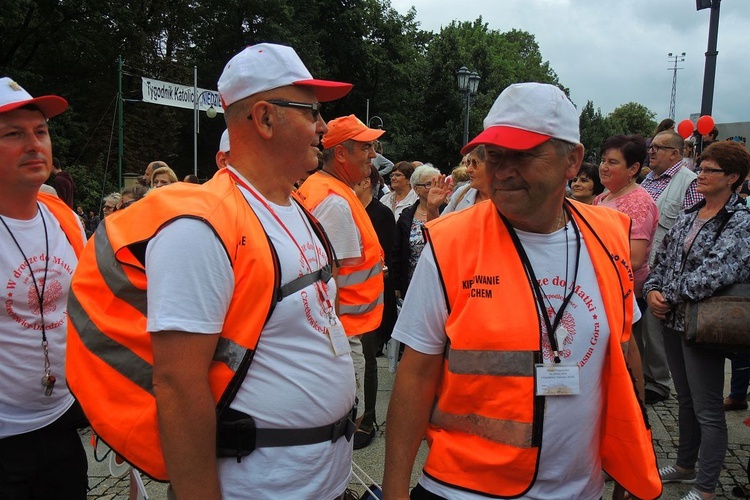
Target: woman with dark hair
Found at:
621, 162
705, 251
586, 186
401, 195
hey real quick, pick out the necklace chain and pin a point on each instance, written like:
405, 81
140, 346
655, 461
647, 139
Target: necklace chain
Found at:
48, 379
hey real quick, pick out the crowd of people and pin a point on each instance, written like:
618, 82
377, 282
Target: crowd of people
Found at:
223, 336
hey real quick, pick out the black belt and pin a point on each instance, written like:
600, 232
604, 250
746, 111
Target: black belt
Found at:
237, 435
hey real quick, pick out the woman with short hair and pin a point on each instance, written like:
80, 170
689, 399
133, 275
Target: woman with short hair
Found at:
705, 251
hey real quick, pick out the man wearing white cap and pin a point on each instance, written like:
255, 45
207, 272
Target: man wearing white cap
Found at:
41, 455
252, 376
515, 371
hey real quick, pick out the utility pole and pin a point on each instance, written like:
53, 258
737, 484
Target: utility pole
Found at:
709, 75
674, 58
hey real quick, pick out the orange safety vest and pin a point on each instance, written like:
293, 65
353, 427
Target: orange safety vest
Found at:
360, 287
110, 360
488, 441
67, 219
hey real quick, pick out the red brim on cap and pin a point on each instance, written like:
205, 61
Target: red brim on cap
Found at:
506, 137
326, 90
49, 105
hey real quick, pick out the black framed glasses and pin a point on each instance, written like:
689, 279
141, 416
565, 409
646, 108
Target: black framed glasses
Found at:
314, 107
707, 170
427, 185
658, 147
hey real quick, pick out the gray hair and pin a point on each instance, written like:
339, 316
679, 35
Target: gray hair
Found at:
422, 172
113, 198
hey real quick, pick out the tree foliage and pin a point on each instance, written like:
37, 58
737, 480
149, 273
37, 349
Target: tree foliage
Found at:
406, 74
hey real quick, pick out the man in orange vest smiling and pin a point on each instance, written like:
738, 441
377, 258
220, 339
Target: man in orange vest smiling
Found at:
515, 369
329, 195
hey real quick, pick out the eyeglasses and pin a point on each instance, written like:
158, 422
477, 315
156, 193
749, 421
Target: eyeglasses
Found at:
314, 107
707, 170
658, 147
427, 185
397, 174
108, 208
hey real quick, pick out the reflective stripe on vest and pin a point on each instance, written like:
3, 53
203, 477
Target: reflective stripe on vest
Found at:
358, 277
114, 276
509, 432
501, 363
361, 309
116, 355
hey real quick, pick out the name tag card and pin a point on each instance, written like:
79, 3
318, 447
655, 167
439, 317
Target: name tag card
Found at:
339, 342
557, 380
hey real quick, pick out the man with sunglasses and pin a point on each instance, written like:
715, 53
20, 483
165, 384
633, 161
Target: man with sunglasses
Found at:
672, 185
252, 376
349, 148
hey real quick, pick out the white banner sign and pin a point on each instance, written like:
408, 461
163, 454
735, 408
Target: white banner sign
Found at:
179, 96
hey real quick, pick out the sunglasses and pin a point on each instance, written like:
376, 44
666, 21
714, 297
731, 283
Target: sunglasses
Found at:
314, 107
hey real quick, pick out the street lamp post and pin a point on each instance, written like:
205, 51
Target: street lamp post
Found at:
210, 112
468, 83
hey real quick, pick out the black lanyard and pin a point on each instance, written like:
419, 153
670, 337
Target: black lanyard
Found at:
538, 294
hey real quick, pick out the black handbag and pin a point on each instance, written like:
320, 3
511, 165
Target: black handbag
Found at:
720, 321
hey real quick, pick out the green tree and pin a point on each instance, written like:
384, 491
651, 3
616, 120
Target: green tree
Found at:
500, 59
595, 128
632, 118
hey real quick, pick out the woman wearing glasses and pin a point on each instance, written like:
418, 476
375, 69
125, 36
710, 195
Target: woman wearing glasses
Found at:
110, 203
478, 188
431, 190
706, 250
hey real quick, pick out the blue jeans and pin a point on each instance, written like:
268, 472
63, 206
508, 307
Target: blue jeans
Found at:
698, 376
740, 376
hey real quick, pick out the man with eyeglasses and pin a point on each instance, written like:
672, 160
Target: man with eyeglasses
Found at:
252, 376
672, 185
515, 323
349, 147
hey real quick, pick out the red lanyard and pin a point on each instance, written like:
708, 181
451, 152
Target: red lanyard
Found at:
321, 289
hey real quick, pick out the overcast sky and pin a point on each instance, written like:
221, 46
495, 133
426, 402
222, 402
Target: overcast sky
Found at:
615, 51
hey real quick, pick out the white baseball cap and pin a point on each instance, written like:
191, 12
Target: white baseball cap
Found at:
527, 114
267, 66
224, 142
13, 96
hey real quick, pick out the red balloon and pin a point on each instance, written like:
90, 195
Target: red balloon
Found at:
705, 124
685, 128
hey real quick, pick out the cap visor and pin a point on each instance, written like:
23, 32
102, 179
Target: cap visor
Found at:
506, 137
49, 105
368, 135
326, 90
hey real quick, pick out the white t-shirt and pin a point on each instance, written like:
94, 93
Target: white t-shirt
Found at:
23, 406
295, 379
335, 214
570, 465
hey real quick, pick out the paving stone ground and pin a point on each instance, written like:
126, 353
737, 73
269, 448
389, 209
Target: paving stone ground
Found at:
662, 416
